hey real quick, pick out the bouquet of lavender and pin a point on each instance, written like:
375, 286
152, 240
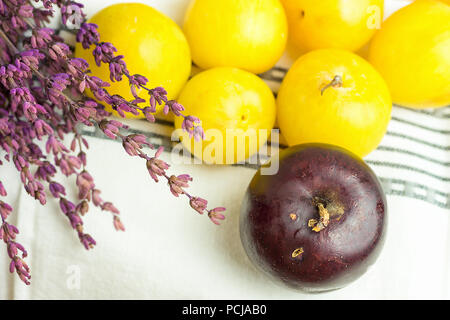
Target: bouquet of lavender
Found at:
42, 98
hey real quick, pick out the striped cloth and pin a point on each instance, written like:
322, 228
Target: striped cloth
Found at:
416, 143
411, 161
170, 252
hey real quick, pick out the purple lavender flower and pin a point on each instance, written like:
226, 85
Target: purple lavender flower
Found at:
45, 171
110, 128
118, 224
2, 190
215, 215
82, 207
42, 128
66, 206
173, 106
42, 97
57, 189
87, 35
8, 232
68, 165
76, 67
41, 37
87, 240
21, 268
36, 190
13, 249
54, 145
31, 59
134, 143
198, 204
57, 84
148, 113
5, 210
108, 206
96, 199
178, 183
198, 133
59, 51
25, 11
71, 12
189, 122
157, 167
85, 184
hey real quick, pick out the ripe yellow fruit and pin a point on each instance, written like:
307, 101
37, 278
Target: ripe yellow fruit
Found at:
336, 97
246, 34
341, 24
233, 105
153, 45
412, 53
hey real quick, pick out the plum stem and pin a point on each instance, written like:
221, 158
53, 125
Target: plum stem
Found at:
324, 218
328, 209
335, 83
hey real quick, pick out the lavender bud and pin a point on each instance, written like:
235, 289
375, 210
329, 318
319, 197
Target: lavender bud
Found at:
198, 204
2, 190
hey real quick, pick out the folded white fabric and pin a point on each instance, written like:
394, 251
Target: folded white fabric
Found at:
170, 252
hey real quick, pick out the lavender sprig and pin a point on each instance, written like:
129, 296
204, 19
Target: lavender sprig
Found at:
104, 52
42, 98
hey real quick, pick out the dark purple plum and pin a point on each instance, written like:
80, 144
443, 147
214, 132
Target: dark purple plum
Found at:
317, 224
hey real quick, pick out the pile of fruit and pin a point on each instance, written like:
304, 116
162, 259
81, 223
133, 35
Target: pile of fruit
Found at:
320, 221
